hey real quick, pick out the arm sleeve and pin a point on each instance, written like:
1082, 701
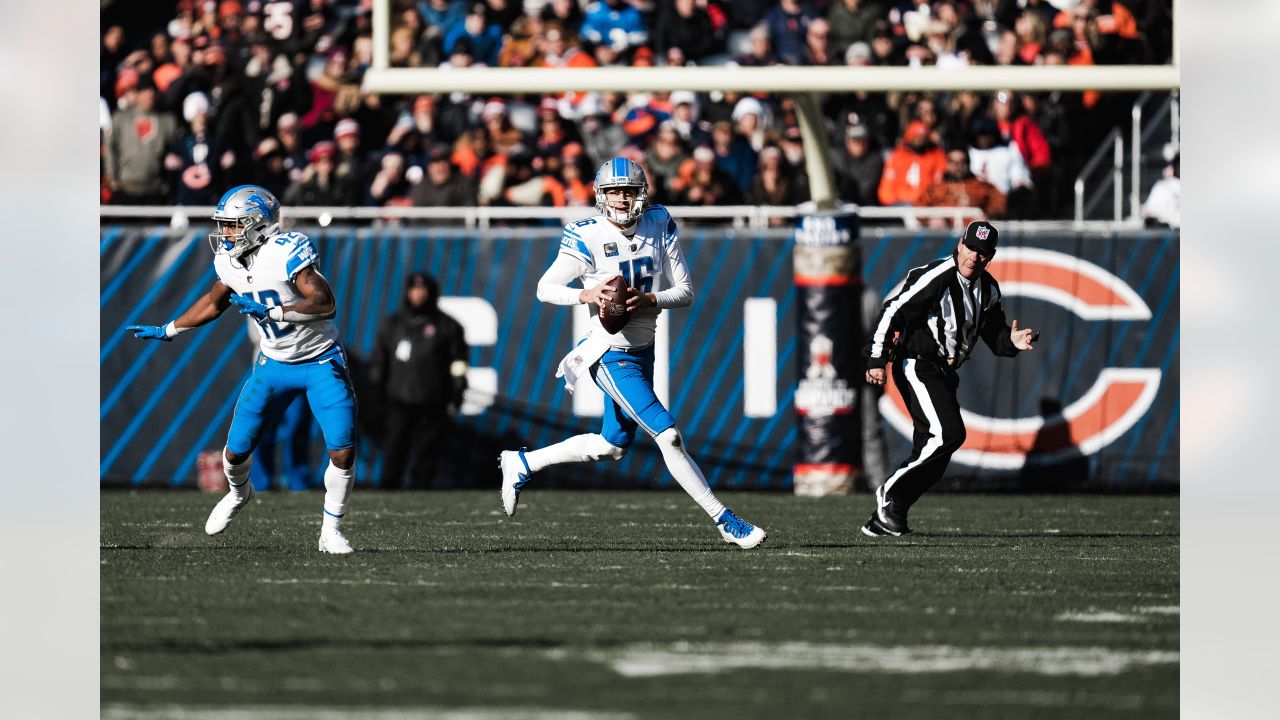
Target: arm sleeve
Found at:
995, 329
681, 292
911, 300
554, 288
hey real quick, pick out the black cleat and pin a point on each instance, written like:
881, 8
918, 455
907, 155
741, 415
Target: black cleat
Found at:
873, 528
889, 516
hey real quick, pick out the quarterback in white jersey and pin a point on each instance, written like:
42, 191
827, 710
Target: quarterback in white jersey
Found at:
272, 277
642, 246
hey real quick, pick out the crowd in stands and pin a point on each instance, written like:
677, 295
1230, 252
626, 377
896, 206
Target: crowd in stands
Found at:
200, 95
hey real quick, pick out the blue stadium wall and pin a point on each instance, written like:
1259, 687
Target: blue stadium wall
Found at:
164, 403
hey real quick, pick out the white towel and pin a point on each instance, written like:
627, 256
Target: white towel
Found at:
580, 359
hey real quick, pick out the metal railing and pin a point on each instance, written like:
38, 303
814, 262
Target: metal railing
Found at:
738, 216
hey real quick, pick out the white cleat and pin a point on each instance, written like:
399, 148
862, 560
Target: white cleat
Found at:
225, 510
332, 541
511, 462
738, 531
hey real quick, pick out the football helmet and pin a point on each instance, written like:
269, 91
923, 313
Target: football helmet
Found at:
620, 172
245, 217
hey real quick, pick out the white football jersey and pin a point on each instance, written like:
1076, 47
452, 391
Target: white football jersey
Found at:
650, 260
268, 279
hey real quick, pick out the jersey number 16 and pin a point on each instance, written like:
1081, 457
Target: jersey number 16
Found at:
638, 273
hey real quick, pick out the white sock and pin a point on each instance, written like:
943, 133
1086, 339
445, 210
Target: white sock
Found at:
237, 475
686, 472
579, 448
337, 492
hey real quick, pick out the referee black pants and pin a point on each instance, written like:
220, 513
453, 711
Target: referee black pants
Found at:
930, 392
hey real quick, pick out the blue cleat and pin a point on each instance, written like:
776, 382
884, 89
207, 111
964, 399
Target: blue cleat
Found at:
512, 478
738, 531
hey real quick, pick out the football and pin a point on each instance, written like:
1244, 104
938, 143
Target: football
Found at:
614, 316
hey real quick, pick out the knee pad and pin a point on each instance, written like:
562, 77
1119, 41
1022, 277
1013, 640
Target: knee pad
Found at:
598, 448
670, 439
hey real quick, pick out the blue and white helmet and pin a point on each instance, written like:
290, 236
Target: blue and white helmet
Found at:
620, 172
245, 216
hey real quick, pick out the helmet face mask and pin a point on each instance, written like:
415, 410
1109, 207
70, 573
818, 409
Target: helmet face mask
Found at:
244, 218
621, 174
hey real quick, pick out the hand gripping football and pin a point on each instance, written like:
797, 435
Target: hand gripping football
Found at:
614, 316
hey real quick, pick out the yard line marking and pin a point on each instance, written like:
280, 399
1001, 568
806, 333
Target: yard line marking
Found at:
643, 660
276, 712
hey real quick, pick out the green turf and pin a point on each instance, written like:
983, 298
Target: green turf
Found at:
450, 605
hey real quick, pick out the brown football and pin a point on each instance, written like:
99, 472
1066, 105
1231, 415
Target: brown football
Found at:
614, 316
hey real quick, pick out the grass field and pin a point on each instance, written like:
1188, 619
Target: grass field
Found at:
628, 604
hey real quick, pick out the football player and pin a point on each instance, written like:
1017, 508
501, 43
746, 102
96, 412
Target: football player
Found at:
641, 245
272, 277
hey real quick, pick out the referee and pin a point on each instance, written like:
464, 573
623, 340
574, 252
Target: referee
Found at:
928, 330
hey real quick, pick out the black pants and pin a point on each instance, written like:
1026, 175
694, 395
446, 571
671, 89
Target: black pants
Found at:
930, 392
412, 430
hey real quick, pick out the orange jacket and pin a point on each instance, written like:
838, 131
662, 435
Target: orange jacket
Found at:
907, 174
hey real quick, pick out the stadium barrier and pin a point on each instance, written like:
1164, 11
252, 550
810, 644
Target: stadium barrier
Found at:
1095, 407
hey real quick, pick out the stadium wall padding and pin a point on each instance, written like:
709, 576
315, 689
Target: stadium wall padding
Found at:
164, 403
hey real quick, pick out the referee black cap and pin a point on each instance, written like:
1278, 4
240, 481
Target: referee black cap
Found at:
981, 236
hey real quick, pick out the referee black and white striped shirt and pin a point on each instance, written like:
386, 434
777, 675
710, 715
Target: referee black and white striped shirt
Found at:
939, 315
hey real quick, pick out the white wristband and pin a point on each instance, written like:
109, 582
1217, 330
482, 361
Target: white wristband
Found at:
172, 330
276, 312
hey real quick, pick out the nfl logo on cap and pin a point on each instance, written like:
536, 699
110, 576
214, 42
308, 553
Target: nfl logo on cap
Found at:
983, 232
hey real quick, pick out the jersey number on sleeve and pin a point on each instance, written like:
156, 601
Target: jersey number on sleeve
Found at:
270, 298
638, 273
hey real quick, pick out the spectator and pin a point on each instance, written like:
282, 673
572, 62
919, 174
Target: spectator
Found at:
684, 25
733, 155
295, 158
701, 181
521, 48
193, 156
774, 184
601, 137
419, 372
140, 137
1001, 164
884, 48
1032, 33
389, 185
1021, 129
684, 118
788, 22
857, 167
578, 179
959, 188
504, 136
750, 120
913, 165
268, 167
442, 17
760, 52
566, 15
351, 170
852, 21
484, 40
442, 185
614, 24
817, 49
1164, 202
965, 107
318, 186
663, 158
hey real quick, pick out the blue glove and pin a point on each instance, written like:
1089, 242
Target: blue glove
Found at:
149, 332
250, 307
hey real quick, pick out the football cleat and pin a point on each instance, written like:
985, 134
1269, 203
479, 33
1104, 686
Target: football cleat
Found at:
510, 462
738, 531
332, 541
873, 528
225, 510
889, 516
